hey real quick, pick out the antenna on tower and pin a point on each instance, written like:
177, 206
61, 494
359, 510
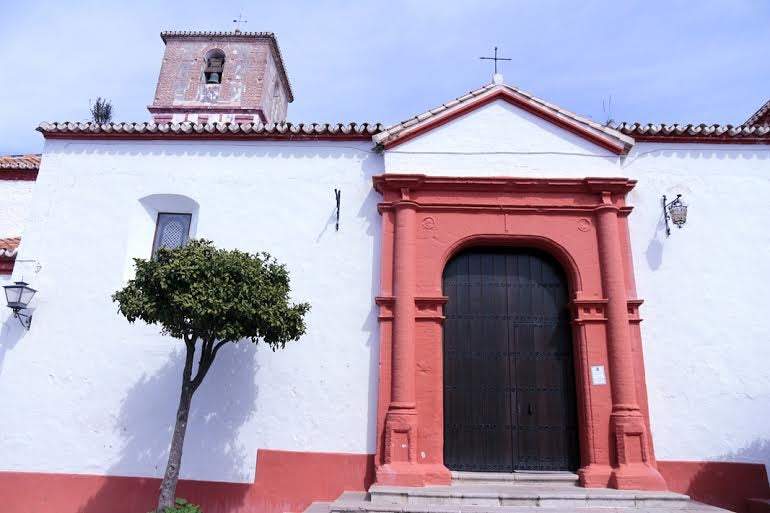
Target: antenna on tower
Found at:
240, 19
607, 110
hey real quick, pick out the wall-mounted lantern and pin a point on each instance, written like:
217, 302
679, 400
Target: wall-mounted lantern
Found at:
676, 211
18, 297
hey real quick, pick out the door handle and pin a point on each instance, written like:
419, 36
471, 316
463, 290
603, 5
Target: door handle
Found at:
530, 409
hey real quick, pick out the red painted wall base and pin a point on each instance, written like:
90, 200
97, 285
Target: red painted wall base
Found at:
285, 482
290, 481
726, 485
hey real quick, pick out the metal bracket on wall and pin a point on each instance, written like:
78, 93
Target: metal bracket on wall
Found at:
24, 319
37, 267
675, 211
337, 196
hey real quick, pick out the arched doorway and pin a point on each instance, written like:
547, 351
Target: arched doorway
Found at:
509, 387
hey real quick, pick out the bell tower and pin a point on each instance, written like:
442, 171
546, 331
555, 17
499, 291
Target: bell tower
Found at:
210, 77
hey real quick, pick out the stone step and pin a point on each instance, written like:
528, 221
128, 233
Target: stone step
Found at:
319, 507
511, 497
523, 495
693, 507
550, 478
347, 498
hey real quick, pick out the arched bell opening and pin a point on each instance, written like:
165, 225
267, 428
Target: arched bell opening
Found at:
213, 67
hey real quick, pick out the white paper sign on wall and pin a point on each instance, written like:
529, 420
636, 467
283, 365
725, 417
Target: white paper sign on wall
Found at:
597, 375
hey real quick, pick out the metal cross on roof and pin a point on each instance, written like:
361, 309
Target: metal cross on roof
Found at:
240, 19
495, 58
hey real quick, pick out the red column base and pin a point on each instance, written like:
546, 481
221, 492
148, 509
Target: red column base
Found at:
635, 470
413, 474
594, 476
637, 476
401, 434
400, 452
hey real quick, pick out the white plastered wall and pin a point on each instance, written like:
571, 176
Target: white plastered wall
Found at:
15, 198
85, 392
706, 332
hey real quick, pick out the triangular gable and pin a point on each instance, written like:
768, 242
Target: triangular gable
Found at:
600, 135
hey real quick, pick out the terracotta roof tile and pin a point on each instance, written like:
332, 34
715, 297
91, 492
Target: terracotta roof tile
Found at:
761, 116
9, 247
214, 33
625, 133
701, 132
282, 130
31, 161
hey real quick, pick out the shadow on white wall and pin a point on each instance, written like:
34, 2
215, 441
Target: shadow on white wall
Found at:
11, 332
654, 251
222, 405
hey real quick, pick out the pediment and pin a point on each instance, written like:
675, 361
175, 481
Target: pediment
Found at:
502, 117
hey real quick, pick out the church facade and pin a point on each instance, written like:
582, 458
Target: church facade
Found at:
497, 285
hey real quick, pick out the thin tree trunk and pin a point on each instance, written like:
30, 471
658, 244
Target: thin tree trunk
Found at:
168, 485
189, 386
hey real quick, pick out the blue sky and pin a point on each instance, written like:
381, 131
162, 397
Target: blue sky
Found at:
672, 61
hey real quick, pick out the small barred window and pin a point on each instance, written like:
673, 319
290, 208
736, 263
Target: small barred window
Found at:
171, 231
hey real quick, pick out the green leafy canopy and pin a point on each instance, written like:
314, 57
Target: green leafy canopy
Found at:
201, 292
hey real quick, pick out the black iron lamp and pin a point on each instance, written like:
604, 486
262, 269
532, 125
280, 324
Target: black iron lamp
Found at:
674, 211
18, 297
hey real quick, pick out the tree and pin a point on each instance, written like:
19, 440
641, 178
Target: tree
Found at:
209, 297
101, 111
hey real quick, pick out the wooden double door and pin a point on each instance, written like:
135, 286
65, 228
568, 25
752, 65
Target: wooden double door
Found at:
509, 387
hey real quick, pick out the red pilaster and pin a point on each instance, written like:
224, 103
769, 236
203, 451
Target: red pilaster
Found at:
404, 277
401, 466
635, 467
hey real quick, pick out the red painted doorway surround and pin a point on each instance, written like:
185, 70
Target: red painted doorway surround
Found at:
582, 223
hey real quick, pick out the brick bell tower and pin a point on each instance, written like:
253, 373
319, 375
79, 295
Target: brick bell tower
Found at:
221, 77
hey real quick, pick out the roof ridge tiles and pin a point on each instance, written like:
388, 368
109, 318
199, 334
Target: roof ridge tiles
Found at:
631, 127
29, 161
623, 132
9, 246
287, 128
762, 114
205, 33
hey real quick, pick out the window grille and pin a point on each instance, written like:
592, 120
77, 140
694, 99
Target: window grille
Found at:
171, 231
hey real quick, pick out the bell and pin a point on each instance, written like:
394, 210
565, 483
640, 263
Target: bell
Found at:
213, 78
